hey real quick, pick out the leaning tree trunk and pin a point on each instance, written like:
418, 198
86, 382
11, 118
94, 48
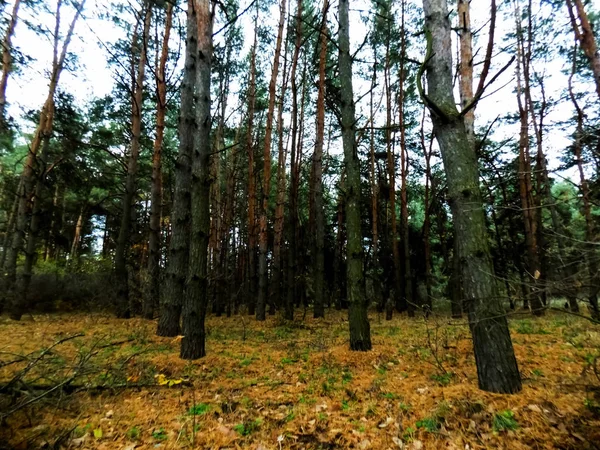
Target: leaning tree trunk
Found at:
494, 355
177, 263
196, 296
151, 300
123, 309
360, 332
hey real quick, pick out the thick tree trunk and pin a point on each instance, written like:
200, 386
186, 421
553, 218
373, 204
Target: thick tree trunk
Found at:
263, 231
196, 295
319, 207
123, 309
10, 225
494, 355
360, 333
177, 264
151, 301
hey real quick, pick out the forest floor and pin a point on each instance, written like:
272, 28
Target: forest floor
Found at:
277, 385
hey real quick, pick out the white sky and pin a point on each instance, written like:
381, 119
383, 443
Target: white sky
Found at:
95, 79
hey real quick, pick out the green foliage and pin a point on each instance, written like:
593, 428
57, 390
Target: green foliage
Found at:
133, 433
429, 424
443, 379
247, 428
160, 434
504, 421
199, 409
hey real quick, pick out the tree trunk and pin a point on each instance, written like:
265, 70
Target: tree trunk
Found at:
123, 309
27, 184
525, 184
585, 35
360, 333
7, 61
494, 355
278, 225
590, 233
196, 295
465, 68
319, 207
153, 292
177, 264
252, 238
263, 231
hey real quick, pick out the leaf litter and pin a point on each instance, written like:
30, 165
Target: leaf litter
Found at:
278, 385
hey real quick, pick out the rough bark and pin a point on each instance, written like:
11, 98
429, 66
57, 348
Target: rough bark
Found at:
494, 355
151, 301
196, 296
465, 66
360, 333
177, 263
123, 309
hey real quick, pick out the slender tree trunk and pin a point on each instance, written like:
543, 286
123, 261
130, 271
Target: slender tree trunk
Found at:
360, 333
153, 292
7, 61
252, 238
123, 308
74, 254
465, 68
525, 184
338, 272
590, 232
43, 130
196, 295
585, 35
494, 355
292, 282
427, 220
263, 231
319, 207
279, 209
177, 264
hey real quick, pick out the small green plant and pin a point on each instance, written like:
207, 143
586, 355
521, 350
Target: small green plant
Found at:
429, 424
389, 395
160, 434
537, 373
291, 416
504, 421
404, 407
247, 428
346, 376
199, 409
345, 405
409, 434
288, 360
443, 379
592, 406
133, 433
